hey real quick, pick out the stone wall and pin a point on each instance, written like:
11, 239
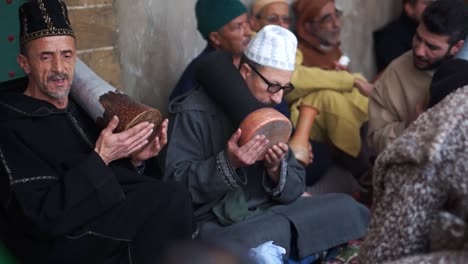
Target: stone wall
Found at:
95, 26
360, 19
158, 38
142, 46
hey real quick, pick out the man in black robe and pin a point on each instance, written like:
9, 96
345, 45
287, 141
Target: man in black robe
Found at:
70, 193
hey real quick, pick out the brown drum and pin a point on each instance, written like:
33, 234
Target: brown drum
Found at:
102, 101
129, 112
268, 122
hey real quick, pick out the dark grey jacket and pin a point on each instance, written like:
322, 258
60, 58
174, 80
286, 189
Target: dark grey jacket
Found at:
198, 133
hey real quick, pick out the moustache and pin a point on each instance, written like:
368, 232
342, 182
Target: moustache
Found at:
420, 58
57, 76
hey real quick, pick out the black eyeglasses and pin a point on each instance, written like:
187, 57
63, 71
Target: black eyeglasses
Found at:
328, 18
275, 19
274, 87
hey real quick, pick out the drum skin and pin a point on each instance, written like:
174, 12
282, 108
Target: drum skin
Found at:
268, 122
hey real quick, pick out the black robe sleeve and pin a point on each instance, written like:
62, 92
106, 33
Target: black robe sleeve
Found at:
53, 204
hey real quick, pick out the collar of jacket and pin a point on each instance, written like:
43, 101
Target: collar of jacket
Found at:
193, 100
19, 105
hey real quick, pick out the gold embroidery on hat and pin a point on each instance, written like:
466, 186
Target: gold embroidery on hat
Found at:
47, 33
50, 31
45, 15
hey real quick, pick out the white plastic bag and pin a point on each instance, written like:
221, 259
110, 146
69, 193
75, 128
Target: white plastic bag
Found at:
268, 253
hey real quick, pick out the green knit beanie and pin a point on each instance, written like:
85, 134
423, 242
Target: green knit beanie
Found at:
214, 14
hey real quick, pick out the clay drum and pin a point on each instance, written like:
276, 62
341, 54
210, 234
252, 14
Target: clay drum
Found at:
268, 122
102, 101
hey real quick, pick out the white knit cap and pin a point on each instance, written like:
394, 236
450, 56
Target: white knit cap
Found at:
273, 46
259, 4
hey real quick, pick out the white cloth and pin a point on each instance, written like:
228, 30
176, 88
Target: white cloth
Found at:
268, 253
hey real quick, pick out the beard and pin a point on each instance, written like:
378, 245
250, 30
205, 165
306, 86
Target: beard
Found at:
58, 95
331, 39
62, 91
433, 65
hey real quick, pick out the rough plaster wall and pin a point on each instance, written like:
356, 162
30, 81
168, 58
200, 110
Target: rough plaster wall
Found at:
158, 38
360, 19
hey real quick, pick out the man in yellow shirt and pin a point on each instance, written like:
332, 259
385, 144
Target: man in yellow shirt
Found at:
331, 89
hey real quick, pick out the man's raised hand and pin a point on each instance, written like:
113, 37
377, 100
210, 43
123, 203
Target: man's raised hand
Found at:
113, 146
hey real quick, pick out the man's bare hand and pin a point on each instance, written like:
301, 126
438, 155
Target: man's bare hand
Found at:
248, 154
419, 110
273, 159
113, 146
154, 147
364, 87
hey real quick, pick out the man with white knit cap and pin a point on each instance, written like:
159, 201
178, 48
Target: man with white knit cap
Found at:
275, 50
238, 193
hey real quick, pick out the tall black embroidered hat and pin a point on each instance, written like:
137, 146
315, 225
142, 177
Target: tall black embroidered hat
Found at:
43, 18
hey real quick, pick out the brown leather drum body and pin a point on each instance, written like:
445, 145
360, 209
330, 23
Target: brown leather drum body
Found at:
129, 111
102, 101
